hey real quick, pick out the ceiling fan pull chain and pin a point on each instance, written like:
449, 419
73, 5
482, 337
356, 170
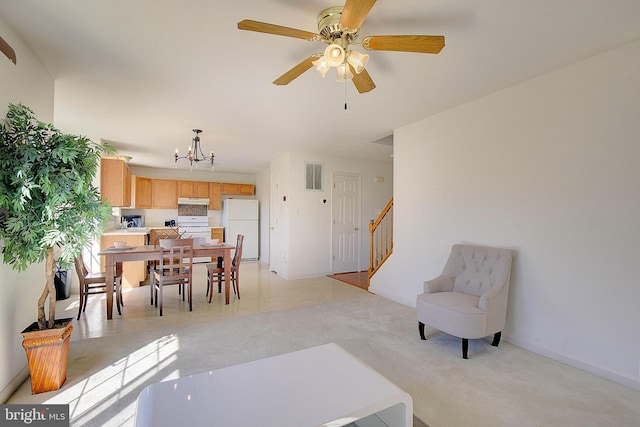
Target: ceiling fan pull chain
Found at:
345, 94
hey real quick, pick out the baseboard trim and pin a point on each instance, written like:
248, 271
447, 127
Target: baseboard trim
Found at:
620, 379
14, 384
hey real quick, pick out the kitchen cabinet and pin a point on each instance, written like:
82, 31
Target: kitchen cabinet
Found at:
193, 189
164, 194
156, 234
237, 189
132, 272
185, 188
115, 182
200, 189
217, 233
141, 192
217, 189
215, 196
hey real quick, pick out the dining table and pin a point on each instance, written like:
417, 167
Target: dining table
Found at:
151, 253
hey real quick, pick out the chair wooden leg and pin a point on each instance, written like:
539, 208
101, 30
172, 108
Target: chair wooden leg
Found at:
190, 296
496, 339
81, 302
465, 348
159, 298
119, 296
85, 299
152, 288
237, 282
421, 329
210, 279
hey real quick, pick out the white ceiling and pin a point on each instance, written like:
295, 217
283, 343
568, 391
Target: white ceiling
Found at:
141, 74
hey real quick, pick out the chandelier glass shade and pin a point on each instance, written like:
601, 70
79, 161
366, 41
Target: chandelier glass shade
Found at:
194, 153
357, 60
343, 73
322, 66
335, 56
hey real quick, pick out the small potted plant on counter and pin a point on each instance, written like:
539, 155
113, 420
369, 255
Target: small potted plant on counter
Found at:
47, 201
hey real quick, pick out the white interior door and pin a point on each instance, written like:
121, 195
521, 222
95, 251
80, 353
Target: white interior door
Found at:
345, 223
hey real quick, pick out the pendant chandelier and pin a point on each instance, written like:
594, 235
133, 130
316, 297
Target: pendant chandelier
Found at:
195, 153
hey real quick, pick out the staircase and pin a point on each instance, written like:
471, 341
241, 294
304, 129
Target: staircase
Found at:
380, 239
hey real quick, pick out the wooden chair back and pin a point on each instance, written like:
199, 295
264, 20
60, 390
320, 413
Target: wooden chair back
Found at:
237, 256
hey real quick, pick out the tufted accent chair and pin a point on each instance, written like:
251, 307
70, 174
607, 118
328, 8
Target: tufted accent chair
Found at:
469, 299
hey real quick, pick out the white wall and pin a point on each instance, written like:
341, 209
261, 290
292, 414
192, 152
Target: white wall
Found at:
549, 168
27, 83
263, 195
305, 238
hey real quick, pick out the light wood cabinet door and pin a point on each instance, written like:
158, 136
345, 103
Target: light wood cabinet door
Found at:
185, 188
230, 188
238, 189
246, 189
193, 189
115, 182
201, 189
156, 234
217, 233
141, 192
164, 194
215, 196
132, 272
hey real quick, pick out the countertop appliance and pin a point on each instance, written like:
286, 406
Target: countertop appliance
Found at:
240, 216
132, 221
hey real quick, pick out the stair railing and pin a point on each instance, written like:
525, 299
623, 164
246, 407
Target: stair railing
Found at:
380, 238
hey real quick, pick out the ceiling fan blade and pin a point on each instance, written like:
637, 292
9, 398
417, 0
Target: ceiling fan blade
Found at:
354, 12
7, 50
296, 71
263, 27
420, 44
362, 81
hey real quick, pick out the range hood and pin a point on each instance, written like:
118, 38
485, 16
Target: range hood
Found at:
192, 201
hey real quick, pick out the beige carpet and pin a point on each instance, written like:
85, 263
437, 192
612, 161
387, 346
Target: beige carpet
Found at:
503, 386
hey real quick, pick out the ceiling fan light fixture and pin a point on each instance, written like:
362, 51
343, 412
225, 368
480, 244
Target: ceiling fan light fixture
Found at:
357, 60
334, 55
343, 73
321, 66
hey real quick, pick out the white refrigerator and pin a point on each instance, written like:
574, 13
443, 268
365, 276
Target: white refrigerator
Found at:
240, 216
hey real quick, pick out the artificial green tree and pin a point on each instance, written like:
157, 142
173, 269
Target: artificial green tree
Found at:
47, 197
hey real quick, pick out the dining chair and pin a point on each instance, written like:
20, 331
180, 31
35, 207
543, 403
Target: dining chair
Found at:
216, 271
96, 283
174, 268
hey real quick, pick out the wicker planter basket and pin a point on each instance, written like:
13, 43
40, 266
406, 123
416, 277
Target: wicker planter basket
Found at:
47, 353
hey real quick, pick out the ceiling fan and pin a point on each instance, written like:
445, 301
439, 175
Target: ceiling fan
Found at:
338, 27
7, 50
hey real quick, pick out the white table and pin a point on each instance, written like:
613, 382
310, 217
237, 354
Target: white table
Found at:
319, 386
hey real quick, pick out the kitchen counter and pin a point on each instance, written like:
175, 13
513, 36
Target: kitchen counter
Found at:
128, 231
